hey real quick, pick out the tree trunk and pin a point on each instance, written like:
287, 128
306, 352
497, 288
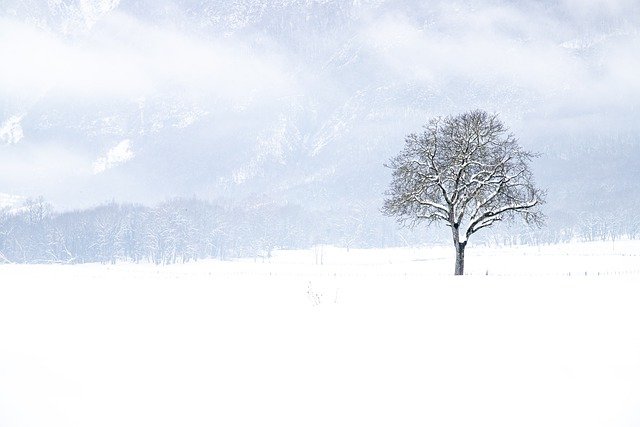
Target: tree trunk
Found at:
459, 271
460, 258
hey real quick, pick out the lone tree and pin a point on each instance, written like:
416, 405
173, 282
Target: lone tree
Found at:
467, 171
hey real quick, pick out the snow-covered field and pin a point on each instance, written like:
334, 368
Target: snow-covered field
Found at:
533, 336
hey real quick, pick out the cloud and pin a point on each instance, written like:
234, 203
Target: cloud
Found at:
599, 9
41, 169
121, 153
522, 58
122, 57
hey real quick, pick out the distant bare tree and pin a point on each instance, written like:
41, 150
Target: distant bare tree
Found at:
5, 233
108, 233
467, 171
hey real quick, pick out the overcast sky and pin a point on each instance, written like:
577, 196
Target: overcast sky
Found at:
570, 65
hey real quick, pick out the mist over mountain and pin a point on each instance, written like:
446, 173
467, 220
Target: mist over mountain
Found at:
302, 101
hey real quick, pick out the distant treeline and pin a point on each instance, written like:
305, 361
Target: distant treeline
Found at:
183, 230
178, 230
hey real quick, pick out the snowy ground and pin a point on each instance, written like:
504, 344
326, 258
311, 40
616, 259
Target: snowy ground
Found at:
546, 336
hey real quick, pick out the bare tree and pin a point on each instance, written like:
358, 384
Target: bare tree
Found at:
467, 171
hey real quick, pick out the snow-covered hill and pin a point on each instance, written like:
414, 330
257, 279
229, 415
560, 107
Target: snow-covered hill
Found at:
298, 100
